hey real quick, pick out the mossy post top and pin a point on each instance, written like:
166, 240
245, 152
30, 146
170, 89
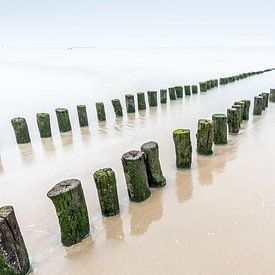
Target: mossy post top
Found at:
149, 145
133, 155
18, 119
103, 172
204, 121
42, 115
63, 187
60, 110
218, 116
181, 132
5, 211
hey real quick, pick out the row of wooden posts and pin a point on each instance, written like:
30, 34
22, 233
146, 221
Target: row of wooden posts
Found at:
142, 170
21, 130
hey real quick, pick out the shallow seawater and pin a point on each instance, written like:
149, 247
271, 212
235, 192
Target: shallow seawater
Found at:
215, 218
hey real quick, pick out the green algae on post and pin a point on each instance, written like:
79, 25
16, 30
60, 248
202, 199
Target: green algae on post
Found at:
205, 137
172, 93
135, 173
179, 91
242, 104
233, 121
246, 109
82, 115
69, 201
203, 86
239, 113
63, 120
194, 89
266, 99
141, 101
130, 103
183, 148
220, 128
14, 259
163, 96
44, 125
117, 107
100, 110
153, 167
21, 130
187, 90
258, 105
152, 98
105, 181
272, 95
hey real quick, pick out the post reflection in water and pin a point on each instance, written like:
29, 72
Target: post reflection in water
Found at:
144, 213
48, 145
184, 185
66, 138
26, 152
114, 227
1, 168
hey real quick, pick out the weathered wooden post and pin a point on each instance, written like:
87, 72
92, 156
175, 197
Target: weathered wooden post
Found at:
63, 120
21, 130
14, 259
203, 86
163, 96
183, 148
44, 125
117, 107
105, 181
100, 111
187, 89
69, 201
258, 105
267, 99
233, 121
141, 102
239, 113
152, 98
246, 109
153, 167
194, 89
172, 93
136, 176
130, 103
82, 115
205, 137
179, 91
212, 83
242, 104
216, 82
220, 128
272, 95
208, 84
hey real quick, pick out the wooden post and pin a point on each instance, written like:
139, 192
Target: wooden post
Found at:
258, 105
153, 167
14, 259
135, 175
130, 103
82, 115
105, 181
172, 93
63, 120
220, 128
242, 104
272, 95
233, 121
216, 82
203, 86
152, 98
69, 201
212, 83
205, 137
141, 102
100, 110
208, 84
21, 130
183, 148
44, 125
117, 107
267, 99
239, 113
246, 109
187, 90
179, 91
194, 89
163, 96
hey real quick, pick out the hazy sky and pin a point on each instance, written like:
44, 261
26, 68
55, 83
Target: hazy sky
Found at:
137, 23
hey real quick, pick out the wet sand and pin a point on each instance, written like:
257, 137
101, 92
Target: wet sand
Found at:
216, 218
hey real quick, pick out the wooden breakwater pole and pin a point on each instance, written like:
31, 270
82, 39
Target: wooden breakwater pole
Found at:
205, 134
63, 120
266, 99
172, 93
44, 125
246, 109
14, 259
100, 111
242, 104
21, 130
239, 113
272, 95
152, 98
233, 121
203, 86
163, 96
183, 148
105, 181
258, 105
220, 128
117, 107
208, 84
152, 163
216, 82
194, 89
141, 103
179, 91
134, 168
69, 202
187, 89
82, 115
130, 103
